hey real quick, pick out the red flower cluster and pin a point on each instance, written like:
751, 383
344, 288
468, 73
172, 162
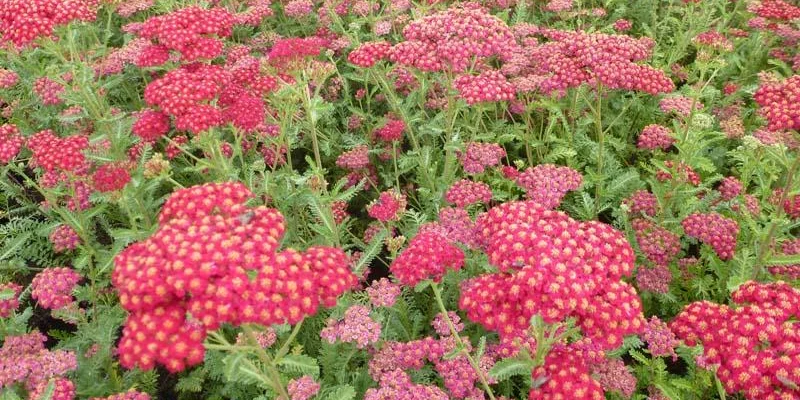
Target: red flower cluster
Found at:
453, 40
655, 137
289, 50
685, 173
110, 177
658, 244
54, 153
150, 125
570, 59
566, 375
10, 142
429, 255
217, 260
680, 105
391, 131
755, 345
489, 86
547, 184
193, 32
22, 21
714, 230
369, 53
52, 288
389, 206
780, 103
774, 9
729, 188
465, 192
9, 303
556, 267
478, 156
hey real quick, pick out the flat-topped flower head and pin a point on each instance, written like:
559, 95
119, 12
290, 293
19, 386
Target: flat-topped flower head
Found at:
216, 259
428, 256
714, 230
547, 184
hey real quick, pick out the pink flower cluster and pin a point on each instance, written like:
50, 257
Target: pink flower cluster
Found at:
754, 342
643, 203
547, 184
792, 271
10, 303
218, 260
129, 395
23, 21
466, 192
48, 90
714, 230
383, 293
193, 32
24, 359
429, 255
556, 267
389, 206
303, 388
442, 328
658, 244
685, 173
11, 142
52, 288
479, 156
661, 340
355, 159
655, 279
489, 86
388, 366
64, 238
570, 59
780, 103
453, 39
729, 188
8, 78
680, 105
356, 327
63, 389
655, 137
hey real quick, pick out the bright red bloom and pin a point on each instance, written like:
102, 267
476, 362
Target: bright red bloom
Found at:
150, 125
218, 260
10, 142
547, 184
110, 177
369, 53
754, 339
389, 206
193, 32
780, 103
23, 21
655, 137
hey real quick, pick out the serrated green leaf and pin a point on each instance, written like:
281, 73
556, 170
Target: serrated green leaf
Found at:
300, 364
341, 392
512, 367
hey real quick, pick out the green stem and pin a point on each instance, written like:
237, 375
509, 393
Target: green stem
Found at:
285, 348
460, 342
275, 376
598, 122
